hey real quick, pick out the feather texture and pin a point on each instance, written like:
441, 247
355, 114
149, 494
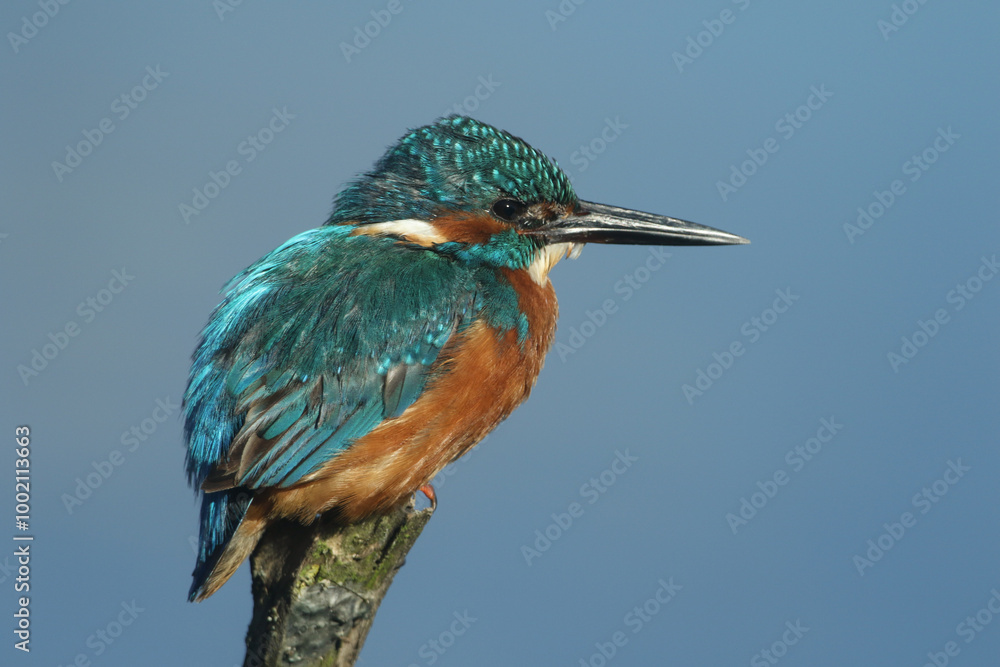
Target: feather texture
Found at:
349, 365
294, 367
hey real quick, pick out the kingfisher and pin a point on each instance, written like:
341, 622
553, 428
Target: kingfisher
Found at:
346, 368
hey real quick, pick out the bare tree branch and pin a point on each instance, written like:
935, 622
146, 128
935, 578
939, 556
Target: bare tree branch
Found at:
316, 588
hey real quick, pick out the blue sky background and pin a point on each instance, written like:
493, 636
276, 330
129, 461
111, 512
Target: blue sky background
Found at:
681, 130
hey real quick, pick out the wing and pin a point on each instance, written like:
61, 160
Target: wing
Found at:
312, 348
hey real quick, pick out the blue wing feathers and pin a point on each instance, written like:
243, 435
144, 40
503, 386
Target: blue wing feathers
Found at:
292, 366
313, 347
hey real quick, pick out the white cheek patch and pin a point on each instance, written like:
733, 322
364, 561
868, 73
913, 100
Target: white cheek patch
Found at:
417, 231
549, 256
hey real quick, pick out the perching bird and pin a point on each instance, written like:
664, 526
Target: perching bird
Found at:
345, 369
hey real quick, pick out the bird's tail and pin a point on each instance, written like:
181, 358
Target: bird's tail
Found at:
230, 530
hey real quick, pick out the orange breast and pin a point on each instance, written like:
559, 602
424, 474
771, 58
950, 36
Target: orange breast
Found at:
481, 376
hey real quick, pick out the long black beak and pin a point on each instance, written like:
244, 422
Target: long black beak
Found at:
599, 223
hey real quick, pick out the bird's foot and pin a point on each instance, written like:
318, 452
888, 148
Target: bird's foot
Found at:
428, 491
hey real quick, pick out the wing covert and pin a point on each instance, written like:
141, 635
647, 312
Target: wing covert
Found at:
313, 347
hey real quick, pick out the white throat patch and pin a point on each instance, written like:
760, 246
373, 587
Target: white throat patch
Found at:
549, 256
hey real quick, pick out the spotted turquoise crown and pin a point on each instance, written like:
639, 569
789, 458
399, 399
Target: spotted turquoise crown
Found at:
455, 164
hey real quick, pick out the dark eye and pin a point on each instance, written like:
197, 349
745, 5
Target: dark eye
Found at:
508, 209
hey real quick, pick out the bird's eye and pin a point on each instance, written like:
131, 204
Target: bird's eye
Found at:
508, 209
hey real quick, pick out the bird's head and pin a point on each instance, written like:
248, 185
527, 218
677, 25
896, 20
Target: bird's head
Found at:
466, 188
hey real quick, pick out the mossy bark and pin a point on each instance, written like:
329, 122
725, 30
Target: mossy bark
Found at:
316, 588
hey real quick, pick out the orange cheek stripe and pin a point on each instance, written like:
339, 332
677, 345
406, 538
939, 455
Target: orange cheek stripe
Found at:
468, 227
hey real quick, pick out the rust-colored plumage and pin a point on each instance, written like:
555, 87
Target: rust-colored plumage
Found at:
346, 368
